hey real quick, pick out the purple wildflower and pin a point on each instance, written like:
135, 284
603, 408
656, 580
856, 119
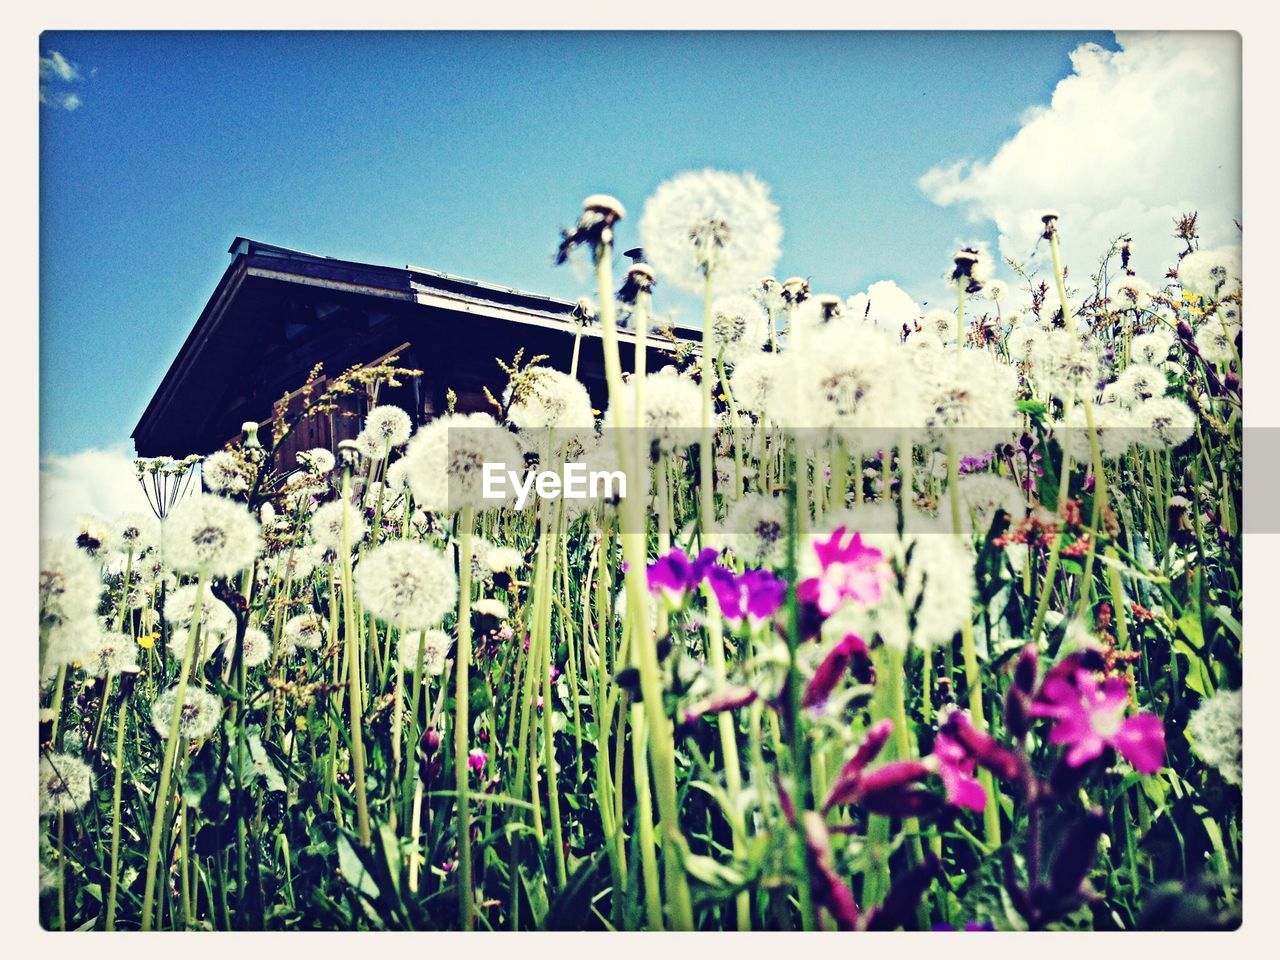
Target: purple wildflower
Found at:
851, 570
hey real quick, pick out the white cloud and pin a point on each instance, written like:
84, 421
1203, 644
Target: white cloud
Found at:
56, 65
97, 482
1132, 139
885, 305
56, 68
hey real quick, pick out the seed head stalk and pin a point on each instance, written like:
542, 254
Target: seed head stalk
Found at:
661, 744
972, 677
355, 695
170, 754
462, 721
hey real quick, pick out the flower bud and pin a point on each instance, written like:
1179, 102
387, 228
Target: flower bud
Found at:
1076, 854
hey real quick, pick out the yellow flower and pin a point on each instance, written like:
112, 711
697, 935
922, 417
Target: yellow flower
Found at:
148, 640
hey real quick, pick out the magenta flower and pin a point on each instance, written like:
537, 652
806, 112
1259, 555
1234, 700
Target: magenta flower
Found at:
852, 649
476, 760
1089, 717
954, 765
753, 595
850, 571
675, 576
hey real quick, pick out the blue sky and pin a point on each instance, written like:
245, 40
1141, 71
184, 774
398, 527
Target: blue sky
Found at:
466, 152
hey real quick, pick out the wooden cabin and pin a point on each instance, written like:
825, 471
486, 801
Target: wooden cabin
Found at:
276, 313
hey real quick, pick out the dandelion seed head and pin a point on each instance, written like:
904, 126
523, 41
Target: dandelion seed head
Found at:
445, 460
200, 715
1153, 347
671, 409
1216, 344
115, 653
1211, 273
1216, 729
1140, 381
739, 326
318, 461
1163, 423
711, 221
211, 534
216, 618
390, 424
222, 472
756, 380
66, 784
305, 631
551, 400
135, 532
407, 584
435, 651
327, 523
70, 586
755, 528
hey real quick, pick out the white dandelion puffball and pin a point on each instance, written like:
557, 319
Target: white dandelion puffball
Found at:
1216, 729
551, 400
116, 653
969, 402
942, 323
1140, 381
69, 642
444, 462
407, 584
210, 534
739, 326
223, 473
504, 559
756, 381
1114, 423
65, 784
215, 616
135, 532
95, 537
1132, 293
1216, 342
70, 585
1211, 273
858, 374
755, 529
304, 632
327, 524
985, 495
672, 409
1153, 347
711, 221
389, 424
200, 715
318, 461
1163, 423
935, 568
490, 607
434, 645
370, 446
256, 647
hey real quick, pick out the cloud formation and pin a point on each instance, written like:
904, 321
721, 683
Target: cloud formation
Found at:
56, 69
97, 482
1131, 140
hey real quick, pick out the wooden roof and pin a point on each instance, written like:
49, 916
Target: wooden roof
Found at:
245, 349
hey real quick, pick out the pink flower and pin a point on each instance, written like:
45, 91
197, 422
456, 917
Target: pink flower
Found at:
753, 595
833, 667
1090, 717
476, 760
850, 571
954, 766
674, 575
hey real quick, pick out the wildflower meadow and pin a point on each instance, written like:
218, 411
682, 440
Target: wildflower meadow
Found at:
931, 625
